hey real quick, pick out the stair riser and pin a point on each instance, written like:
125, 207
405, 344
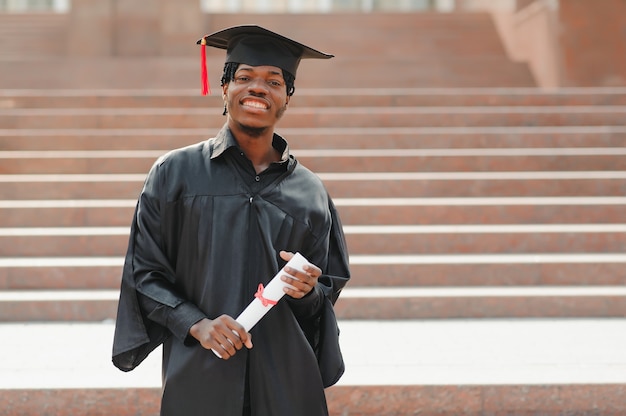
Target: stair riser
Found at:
320, 164
432, 74
481, 307
378, 275
25, 119
359, 244
344, 189
350, 215
363, 308
310, 99
345, 400
302, 140
57, 277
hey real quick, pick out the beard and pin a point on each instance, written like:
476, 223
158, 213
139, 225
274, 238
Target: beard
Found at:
259, 131
252, 131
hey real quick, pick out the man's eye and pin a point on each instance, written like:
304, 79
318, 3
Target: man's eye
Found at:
242, 79
276, 83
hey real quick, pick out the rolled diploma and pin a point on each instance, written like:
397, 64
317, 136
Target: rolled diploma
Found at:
273, 292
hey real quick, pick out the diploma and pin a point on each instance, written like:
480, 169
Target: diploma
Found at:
266, 297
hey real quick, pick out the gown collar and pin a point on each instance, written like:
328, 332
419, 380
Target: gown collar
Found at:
224, 140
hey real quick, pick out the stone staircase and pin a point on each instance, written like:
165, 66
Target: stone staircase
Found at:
490, 203
32, 36
485, 218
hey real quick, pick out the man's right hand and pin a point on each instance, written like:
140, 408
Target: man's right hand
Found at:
223, 335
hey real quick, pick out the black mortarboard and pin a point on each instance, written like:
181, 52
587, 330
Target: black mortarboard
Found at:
254, 45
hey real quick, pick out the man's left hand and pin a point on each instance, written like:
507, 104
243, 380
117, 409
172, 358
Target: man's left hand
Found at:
304, 281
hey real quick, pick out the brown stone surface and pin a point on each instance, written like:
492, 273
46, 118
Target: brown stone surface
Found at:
84, 189
359, 97
58, 277
486, 242
428, 41
375, 213
58, 310
355, 163
474, 188
480, 400
394, 242
67, 217
380, 308
340, 188
90, 29
321, 118
461, 307
589, 37
498, 275
363, 275
592, 42
87, 402
366, 138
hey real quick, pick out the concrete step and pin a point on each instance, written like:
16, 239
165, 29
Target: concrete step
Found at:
369, 34
347, 185
437, 71
318, 117
324, 138
548, 367
337, 160
412, 270
359, 303
439, 47
353, 211
556, 399
376, 270
362, 240
319, 97
21, 34
436, 37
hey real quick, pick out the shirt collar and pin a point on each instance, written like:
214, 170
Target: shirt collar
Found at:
224, 140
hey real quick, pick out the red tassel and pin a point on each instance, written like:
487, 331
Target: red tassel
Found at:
206, 88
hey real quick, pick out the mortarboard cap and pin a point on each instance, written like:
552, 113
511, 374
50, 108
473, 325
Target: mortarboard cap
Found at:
254, 45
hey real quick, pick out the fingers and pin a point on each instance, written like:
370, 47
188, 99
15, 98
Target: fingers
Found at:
225, 336
301, 281
286, 255
224, 347
242, 335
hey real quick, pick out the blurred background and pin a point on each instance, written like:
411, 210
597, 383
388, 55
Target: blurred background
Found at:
134, 44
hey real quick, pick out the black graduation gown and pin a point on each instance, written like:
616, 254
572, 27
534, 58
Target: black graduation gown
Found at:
200, 244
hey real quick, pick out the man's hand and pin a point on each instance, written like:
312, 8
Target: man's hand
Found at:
224, 335
304, 282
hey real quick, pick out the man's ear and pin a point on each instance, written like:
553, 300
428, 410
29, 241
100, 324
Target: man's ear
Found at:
224, 90
288, 98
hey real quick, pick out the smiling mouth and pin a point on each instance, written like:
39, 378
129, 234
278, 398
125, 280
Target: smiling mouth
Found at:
255, 104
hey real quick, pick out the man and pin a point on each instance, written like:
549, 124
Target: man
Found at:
213, 221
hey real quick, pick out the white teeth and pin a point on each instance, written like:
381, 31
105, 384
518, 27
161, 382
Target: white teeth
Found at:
255, 104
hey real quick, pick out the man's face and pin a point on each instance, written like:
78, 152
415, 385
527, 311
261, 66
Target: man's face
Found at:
257, 97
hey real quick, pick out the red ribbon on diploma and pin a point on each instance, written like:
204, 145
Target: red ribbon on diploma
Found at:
259, 296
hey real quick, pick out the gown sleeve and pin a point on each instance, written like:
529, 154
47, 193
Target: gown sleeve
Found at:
149, 309
338, 270
337, 274
335, 270
319, 322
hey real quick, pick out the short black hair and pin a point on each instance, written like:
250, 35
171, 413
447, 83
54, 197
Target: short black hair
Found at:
231, 67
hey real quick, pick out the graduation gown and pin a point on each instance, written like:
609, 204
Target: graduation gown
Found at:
200, 243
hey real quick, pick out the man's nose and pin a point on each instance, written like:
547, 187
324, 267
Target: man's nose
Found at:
258, 86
